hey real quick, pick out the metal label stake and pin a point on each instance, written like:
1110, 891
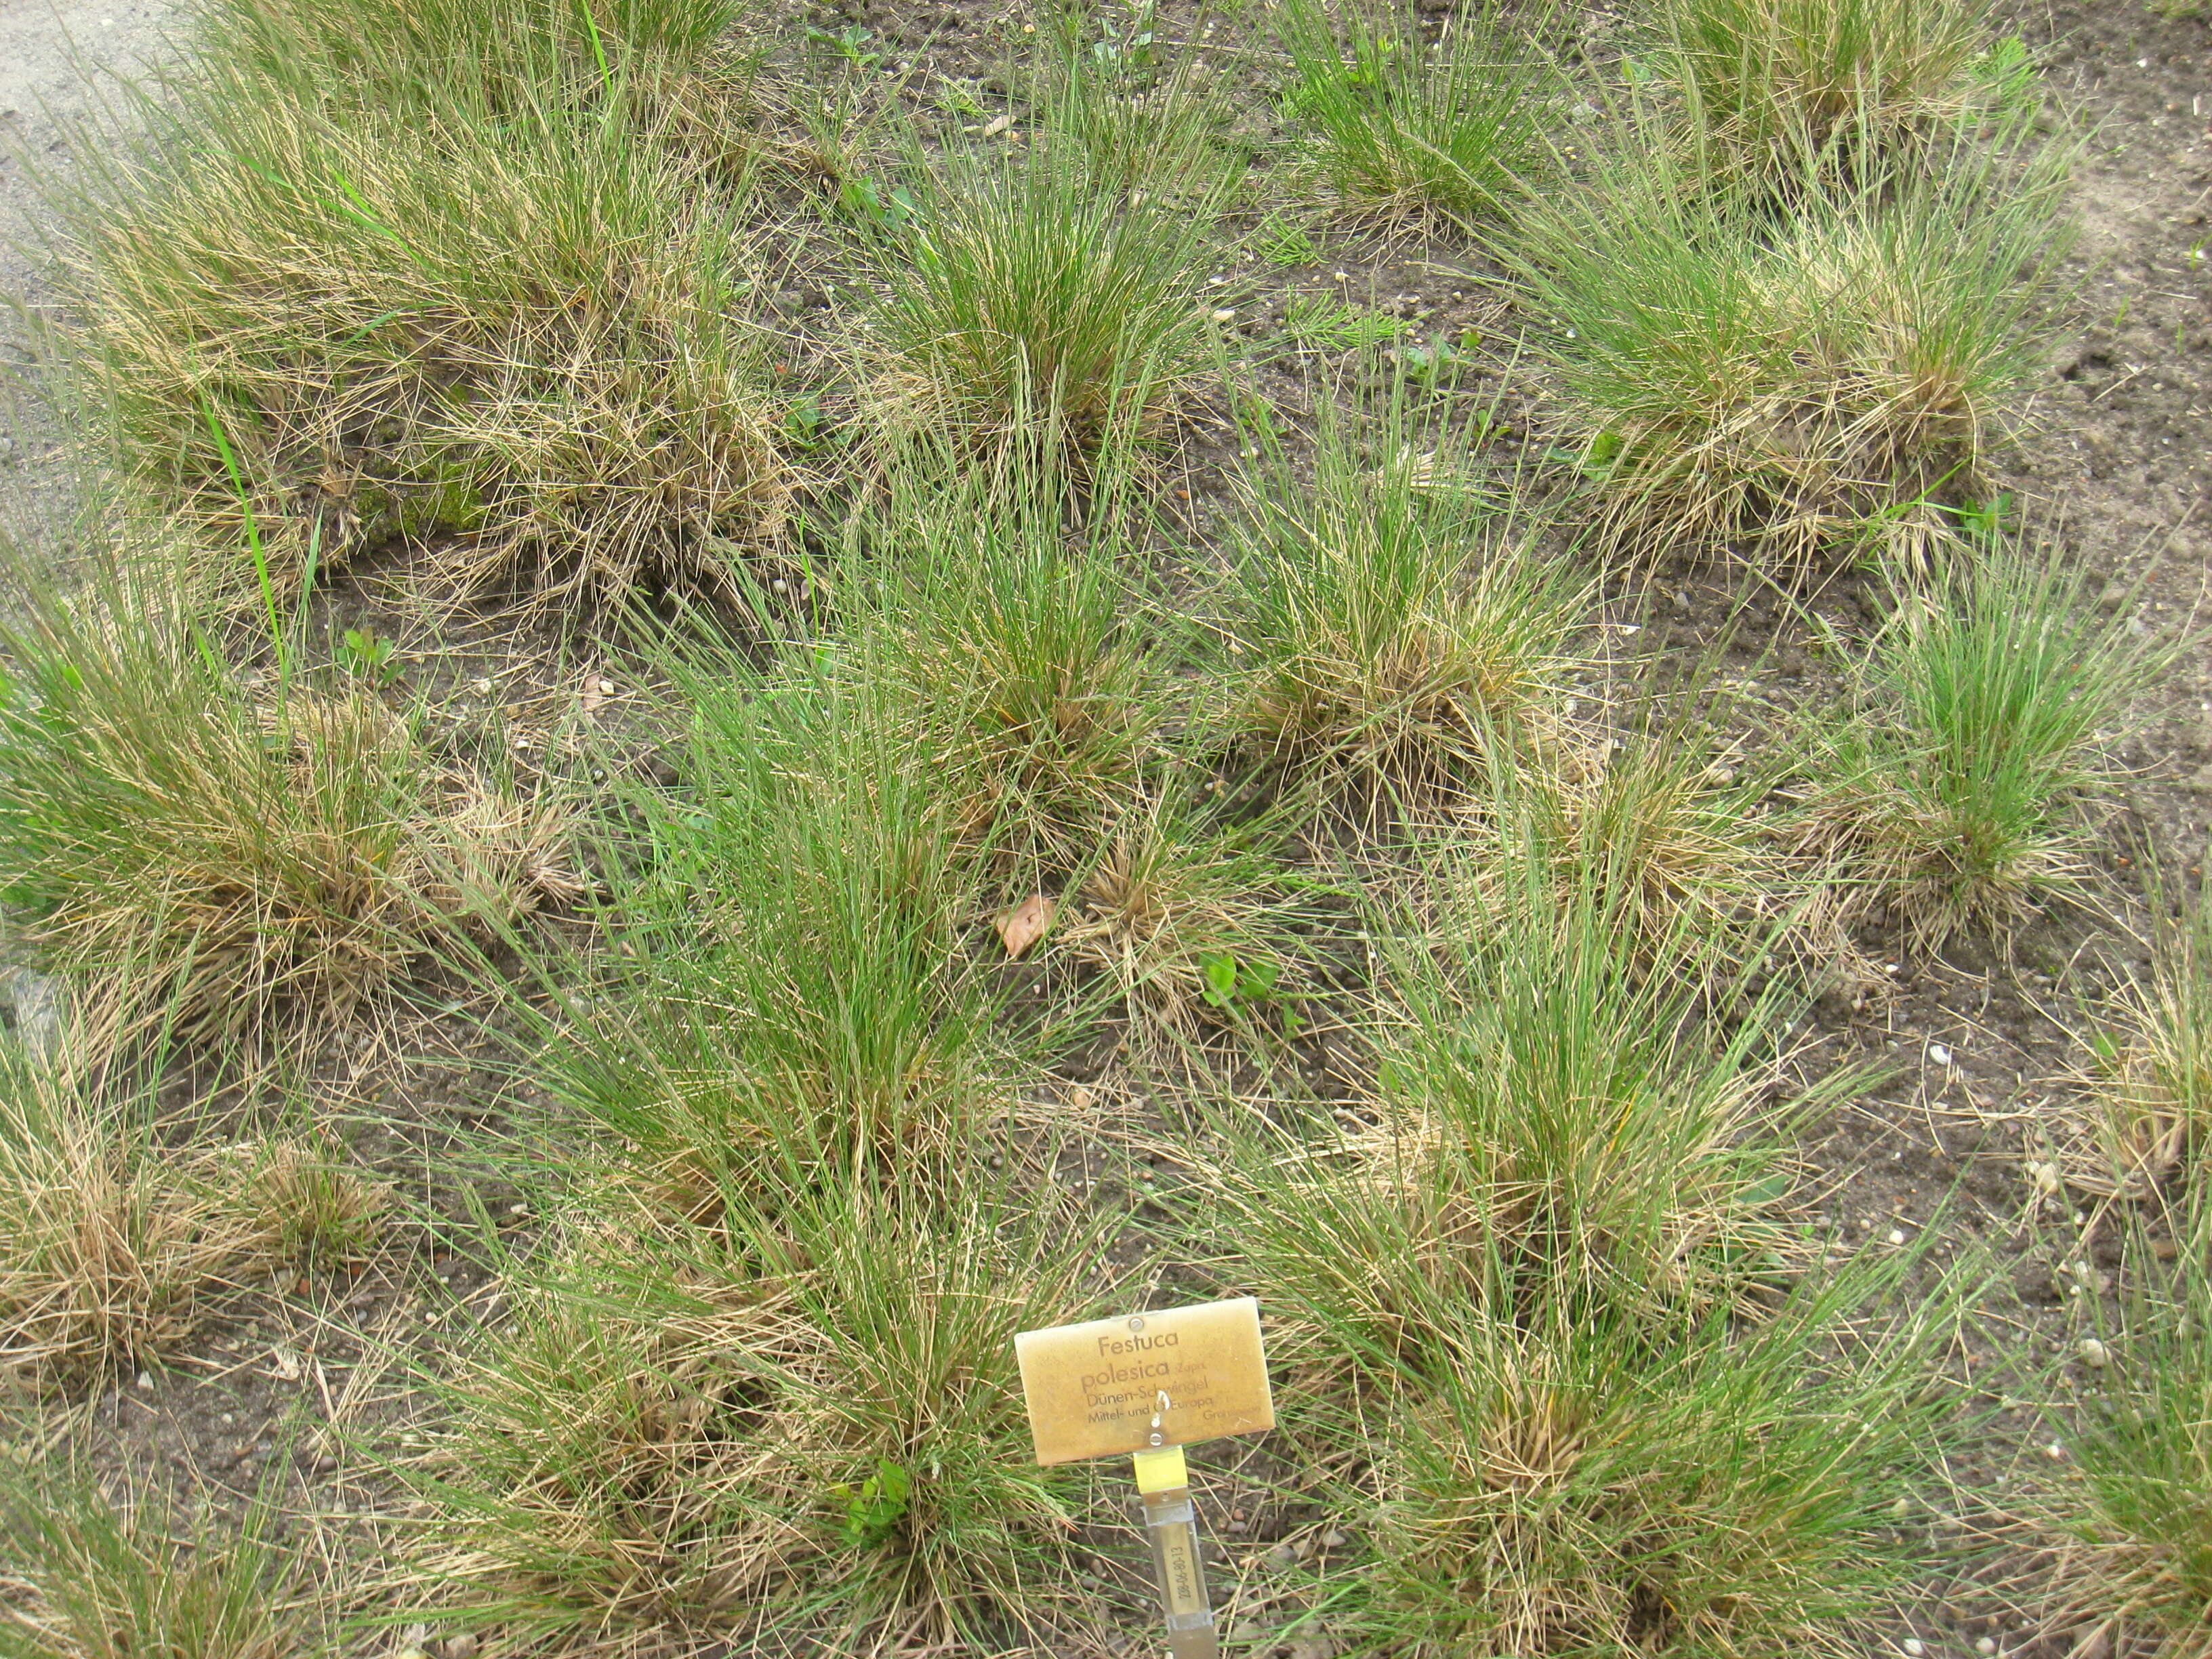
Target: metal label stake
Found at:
1171, 1528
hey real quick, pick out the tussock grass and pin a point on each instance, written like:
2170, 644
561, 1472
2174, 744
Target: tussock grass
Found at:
217, 864
1553, 1121
803, 1423
1957, 792
111, 1241
683, 59
1782, 391
1664, 813
1384, 615
82, 1577
2136, 1562
1772, 81
516, 344
1401, 122
1595, 1487
1561, 1331
1030, 663
2152, 1079
1033, 294
1180, 900
788, 989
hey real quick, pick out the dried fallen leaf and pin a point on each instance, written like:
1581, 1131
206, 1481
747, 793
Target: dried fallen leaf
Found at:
287, 1363
996, 124
1025, 924
591, 696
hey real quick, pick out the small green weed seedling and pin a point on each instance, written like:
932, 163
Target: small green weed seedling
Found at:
369, 656
1237, 985
848, 43
874, 1508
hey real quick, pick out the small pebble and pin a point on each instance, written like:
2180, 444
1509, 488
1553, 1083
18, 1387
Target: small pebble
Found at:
1896, 1234
463, 1646
1224, 315
1915, 1646
1986, 1644
779, 586
2093, 1352
145, 1382
1333, 1539
2056, 1449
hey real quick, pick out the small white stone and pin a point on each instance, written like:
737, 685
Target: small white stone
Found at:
2056, 1449
1938, 1054
1224, 315
2093, 1352
1986, 1644
145, 1382
1896, 1234
1915, 1646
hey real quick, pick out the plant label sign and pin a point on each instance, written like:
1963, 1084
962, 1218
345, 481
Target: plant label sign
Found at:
1146, 1380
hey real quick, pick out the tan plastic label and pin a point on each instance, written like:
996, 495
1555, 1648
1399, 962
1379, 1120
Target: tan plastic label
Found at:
1164, 1378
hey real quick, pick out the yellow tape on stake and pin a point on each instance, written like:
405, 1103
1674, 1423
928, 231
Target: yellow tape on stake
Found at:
1147, 1384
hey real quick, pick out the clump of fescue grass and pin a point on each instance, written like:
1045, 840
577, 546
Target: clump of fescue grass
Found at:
1773, 81
683, 59
200, 858
2136, 1562
1135, 118
1179, 904
1553, 1120
1595, 1487
1662, 808
1022, 658
111, 1240
514, 344
1028, 294
789, 988
82, 1578
802, 1421
1778, 392
1384, 616
1400, 122
2152, 1082
1956, 792
1586, 1402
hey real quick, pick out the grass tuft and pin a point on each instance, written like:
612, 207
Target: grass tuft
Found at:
514, 345
1772, 81
1562, 1329
220, 865
1384, 616
1783, 392
1027, 294
111, 1241
1401, 121
807, 1422
1957, 792
2137, 1562
87, 1578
